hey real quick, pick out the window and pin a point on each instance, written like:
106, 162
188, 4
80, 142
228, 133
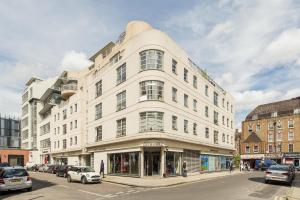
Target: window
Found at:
206, 111
174, 122
231, 108
71, 125
255, 149
279, 136
291, 147
291, 123
75, 124
195, 81
64, 143
195, 129
227, 105
186, 99
75, 107
257, 127
54, 144
121, 100
195, 105
71, 141
274, 114
98, 133
227, 122
57, 116
270, 137
231, 124
71, 109
270, 126
54, 117
151, 121
223, 103
279, 148
58, 144
206, 90
216, 137
98, 111
121, 127
174, 94
98, 88
186, 126
54, 131
279, 125
185, 75
223, 137
231, 139
270, 148
174, 66
227, 139
290, 135
151, 59
247, 149
64, 129
216, 99
75, 140
121, 73
58, 130
216, 118
65, 114
223, 120
151, 90
206, 132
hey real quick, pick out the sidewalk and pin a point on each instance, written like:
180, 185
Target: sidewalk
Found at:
164, 182
295, 190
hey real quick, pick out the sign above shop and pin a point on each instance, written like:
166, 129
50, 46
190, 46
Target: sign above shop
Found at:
291, 155
153, 143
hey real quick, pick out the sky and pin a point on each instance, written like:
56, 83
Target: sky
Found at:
251, 48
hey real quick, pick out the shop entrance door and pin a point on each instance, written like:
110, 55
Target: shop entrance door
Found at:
152, 163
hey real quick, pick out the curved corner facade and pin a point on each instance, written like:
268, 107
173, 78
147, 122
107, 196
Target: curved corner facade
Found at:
145, 108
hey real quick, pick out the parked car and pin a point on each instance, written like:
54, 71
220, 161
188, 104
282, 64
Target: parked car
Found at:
264, 164
30, 166
83, 174
4, 164
41, 168
52, 169
279, 173
14, 178
63, 170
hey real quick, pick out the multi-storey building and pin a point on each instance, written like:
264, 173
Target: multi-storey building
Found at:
10, 142
143, 107
272, 131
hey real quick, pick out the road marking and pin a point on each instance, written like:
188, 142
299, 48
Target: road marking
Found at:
64, 186
119, 193
92, 193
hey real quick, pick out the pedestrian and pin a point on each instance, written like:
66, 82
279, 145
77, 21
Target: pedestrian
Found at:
231, 166
184, 169
102, 168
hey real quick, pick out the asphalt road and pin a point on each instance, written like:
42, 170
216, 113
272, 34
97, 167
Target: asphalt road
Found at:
242, 186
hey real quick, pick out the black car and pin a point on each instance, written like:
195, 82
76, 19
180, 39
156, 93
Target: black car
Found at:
4, 164
62, 170
53, 169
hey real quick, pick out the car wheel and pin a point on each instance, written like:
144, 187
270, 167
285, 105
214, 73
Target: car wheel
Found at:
266, 181
29, 189
83, 180
69, 179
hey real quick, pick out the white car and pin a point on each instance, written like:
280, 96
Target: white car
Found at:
84, 174
14, 178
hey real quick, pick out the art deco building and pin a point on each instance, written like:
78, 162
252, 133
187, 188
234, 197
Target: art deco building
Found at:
143, 107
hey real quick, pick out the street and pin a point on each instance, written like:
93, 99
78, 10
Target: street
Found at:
242, 186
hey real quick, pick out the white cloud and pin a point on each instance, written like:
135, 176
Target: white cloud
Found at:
73, 60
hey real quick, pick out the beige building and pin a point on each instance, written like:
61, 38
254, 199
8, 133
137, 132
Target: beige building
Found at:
272, 131
143, 108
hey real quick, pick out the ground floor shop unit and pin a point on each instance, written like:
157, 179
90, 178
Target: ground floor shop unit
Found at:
292, 158
15, 157
160, 158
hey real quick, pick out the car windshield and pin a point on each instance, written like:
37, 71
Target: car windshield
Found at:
9, 173
87, 169
279, 167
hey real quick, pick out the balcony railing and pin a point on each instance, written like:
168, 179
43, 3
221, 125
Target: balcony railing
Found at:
71, 86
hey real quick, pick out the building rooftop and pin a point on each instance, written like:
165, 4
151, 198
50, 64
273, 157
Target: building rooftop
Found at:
33, 79
252, 138
283, 108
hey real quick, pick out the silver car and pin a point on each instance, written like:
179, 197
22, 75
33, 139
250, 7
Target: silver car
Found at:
279, 173
14, 178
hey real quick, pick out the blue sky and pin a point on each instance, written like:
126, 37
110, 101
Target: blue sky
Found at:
252, 48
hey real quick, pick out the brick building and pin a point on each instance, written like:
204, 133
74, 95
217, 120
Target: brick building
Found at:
272, 131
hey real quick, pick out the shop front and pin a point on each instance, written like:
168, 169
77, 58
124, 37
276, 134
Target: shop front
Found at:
291, 158
212, 163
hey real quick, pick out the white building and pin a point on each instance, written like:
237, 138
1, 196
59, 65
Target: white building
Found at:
143, 108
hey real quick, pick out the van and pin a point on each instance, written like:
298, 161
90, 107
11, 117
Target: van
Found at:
264, 164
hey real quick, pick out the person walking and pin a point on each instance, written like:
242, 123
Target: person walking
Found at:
184, 169
231, 166
102, 168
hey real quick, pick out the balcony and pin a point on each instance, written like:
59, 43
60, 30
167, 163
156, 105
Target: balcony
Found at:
68, 90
